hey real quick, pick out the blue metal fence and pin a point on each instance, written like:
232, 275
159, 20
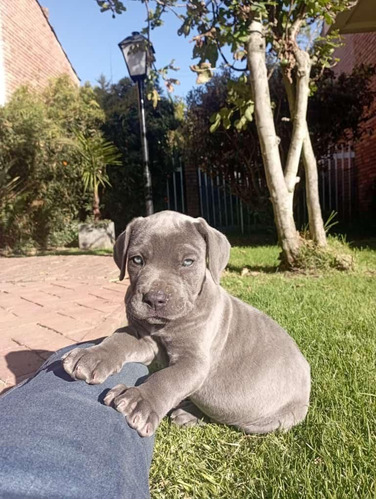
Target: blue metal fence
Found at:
224, 210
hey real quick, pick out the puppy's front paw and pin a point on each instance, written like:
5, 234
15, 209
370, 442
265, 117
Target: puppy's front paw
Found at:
91, 365
137, 410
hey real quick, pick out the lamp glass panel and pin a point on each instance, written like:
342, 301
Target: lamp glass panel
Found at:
135, 56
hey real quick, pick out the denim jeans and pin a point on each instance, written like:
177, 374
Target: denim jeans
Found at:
58, 439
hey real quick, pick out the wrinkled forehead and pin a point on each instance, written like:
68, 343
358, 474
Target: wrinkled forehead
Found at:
166, 236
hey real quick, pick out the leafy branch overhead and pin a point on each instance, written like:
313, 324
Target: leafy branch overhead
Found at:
240, 106
217, 25
220, 33
152, 91
112, 5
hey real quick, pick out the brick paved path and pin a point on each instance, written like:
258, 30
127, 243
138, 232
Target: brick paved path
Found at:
50, 302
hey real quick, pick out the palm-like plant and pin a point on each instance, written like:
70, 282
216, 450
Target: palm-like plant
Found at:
9, 189
96, 155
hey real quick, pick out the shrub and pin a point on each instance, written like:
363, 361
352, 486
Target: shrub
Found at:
39, 173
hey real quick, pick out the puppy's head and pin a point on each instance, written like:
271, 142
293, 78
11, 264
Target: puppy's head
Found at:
167, 255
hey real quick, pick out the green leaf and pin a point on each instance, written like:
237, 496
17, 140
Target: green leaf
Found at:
204, 71
204, 77
216, 123
248, 113
241, 123
213, 117
154, 97
211, 54
239, 55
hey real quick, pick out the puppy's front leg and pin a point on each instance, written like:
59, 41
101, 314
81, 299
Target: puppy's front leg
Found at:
146, 405
95, 364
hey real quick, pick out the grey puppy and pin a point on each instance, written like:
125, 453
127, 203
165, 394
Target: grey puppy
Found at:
236, 364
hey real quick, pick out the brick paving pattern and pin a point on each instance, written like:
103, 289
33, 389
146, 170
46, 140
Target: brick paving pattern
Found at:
49, 302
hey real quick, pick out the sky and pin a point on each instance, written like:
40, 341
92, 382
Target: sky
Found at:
90, 39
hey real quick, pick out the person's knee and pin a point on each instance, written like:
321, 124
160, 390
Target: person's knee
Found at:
134, 373
60, 353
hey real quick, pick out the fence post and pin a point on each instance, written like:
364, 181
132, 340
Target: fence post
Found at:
330, 182
225, 200
182, 186
241, 217
343, 181
212, 197
219, 201
350, 165
207, 196
200, 192
168, 194
175, 193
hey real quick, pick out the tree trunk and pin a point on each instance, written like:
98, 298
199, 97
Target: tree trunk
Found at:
96, 210
283, 214
316, 224
298, 112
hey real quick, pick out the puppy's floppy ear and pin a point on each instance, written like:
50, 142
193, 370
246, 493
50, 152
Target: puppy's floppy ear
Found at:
121, 247
217, 249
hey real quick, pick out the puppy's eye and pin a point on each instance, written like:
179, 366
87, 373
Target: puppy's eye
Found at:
137, 260
187, 262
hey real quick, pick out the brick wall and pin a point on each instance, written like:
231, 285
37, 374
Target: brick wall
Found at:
361, 48
31, 52
365, 163
346, 56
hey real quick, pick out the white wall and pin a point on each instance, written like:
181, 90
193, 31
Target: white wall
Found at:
2, 68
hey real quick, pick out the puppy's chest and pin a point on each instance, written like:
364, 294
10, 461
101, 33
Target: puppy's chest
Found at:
171, 347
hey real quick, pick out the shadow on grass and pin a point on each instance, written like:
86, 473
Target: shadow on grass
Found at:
253, 269
77, 251
369, 243
57, 251
253, 240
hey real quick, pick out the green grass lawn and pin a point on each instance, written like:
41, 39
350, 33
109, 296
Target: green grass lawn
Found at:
332, 316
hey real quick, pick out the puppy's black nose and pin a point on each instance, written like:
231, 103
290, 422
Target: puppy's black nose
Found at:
155, 299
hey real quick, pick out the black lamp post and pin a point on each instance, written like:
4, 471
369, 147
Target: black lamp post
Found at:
138, 55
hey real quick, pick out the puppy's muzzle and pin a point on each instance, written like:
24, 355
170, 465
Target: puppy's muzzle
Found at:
155, 299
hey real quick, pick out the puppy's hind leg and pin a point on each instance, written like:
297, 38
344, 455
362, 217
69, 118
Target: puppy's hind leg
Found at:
186, 414
288, 417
